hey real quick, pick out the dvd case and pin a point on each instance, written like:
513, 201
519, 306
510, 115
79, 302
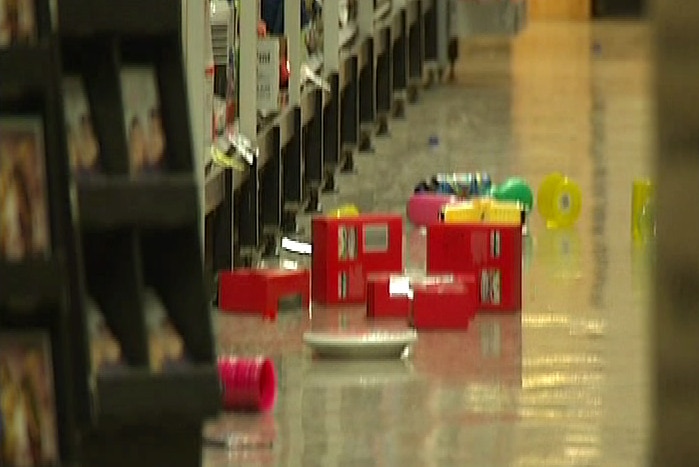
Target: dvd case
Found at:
144, 126
105, 350
28, 429
24, 223
83, 144
17, 22
165, 344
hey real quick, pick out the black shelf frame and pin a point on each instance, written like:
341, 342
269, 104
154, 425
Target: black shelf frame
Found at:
35, 294
138, 233
320, 138
168, 201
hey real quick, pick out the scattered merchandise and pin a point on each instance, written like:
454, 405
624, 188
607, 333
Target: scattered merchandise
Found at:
444, 305
643, 210
249, 384
295, 246
559, 200
28, 434
347, 249
24, 221
484, 210
463, 185
424, 208
383, 300
361, 345
429, 199
514, 189
493, 252
259, 290
346, 210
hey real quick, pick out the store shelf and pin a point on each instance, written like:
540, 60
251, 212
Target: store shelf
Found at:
31, 282
308, 102
347, 34
24, 68
161, 201
315, 63
127, 17
215, 189
134, 395
382, 12
378, 69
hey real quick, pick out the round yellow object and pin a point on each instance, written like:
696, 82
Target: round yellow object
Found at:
347, 210
545, 194
560, 201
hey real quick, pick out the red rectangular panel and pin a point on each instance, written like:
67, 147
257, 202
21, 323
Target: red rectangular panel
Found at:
492, 252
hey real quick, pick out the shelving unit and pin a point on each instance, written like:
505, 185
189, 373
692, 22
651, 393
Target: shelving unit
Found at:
138, 233
373, 66
35, 292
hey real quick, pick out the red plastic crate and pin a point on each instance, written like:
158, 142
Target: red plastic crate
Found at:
347, 249
444, 306
259, 290
492, 252
380, 303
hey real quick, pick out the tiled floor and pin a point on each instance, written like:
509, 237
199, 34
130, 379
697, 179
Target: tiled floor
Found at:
566, 383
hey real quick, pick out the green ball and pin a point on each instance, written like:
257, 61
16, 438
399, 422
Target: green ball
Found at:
515, 189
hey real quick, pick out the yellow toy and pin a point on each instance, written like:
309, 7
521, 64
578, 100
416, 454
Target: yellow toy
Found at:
642, 210
483, 210
346, 210
559, 200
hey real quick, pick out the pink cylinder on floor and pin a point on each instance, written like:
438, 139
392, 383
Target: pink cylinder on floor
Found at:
248, 383
424, 208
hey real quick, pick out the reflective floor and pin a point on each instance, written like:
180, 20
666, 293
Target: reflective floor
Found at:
566, 383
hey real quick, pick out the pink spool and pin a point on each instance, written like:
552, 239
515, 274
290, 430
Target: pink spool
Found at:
424, 208
248, 384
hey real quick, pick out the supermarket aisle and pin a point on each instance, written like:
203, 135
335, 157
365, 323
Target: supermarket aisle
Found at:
568, 384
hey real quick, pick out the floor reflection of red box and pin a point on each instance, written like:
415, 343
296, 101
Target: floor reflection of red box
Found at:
444, 305
347, 249
489, 353
380, 303
493, 252
259, 290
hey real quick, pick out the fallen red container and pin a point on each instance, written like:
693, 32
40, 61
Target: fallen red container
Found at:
380, 303
445, 305
249, 384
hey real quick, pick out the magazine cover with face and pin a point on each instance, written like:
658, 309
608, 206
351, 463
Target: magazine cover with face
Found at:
144, 126
24, 224
83, 145
17, 22
28, 437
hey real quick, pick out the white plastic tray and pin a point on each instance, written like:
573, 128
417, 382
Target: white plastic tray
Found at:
364, 345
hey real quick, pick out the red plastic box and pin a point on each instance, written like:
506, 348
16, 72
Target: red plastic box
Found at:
259, 290
444, 306
347, 249
492, 252
379, 301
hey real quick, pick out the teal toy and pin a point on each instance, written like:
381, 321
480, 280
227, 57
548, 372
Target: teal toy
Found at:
514, 189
